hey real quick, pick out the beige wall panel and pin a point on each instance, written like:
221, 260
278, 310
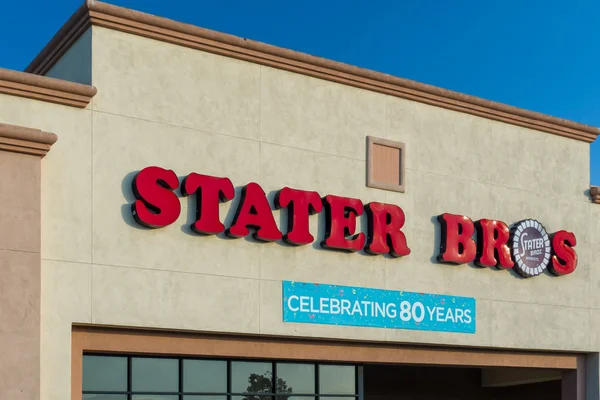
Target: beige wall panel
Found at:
308, 170
157, 81
66, 298
271, 320
534, 326
570, 290
481, 337
161, 299
76, 64
513, 205
119, 240
440, 141
456, 144
404, 122
65, 183
538, 162
435, 194
311, 263
67, 189
66, 292
65, 176
317, 115
413, 276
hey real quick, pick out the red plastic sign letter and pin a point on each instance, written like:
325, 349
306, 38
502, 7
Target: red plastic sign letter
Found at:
156, 205
564, 258
385, 235
457, 245
492, 237
300, 205
209, 190
254, 212
340, 221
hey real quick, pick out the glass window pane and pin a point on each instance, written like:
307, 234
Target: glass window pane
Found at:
337, 398
251, 377
196, 397
104, 397
279, 397
154, 375
205, 376
102, 373
154, 397
295, 378
337, 379
251, 397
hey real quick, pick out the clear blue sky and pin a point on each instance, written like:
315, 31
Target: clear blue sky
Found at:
539, 55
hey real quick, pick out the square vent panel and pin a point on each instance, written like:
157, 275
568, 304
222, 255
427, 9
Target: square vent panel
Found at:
385, 164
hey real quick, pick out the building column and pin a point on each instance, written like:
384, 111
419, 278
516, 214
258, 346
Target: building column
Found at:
582, 383
21, 151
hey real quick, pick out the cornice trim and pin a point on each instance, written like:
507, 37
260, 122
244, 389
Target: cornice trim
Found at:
166, 30
37, 87
19, 139
595, 194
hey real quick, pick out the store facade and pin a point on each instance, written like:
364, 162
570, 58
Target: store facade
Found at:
191, 215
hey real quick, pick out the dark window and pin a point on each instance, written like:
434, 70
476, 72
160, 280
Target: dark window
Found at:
295, 378
205, 376
251, 377
109, 377
104, 374
337, 379
154, 375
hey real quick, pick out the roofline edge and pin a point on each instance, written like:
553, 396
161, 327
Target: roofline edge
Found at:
20, 139
44, 88
94, 13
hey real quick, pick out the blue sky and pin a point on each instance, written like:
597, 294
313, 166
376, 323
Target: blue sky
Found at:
539, 55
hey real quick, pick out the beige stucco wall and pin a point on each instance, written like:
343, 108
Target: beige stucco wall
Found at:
65, 215
160, 104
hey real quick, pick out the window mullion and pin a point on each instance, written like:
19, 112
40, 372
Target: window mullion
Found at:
228, 379
181, 379
317, 382
129, 374
274, 378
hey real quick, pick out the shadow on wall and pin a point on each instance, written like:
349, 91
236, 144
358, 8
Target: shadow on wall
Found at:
129, 198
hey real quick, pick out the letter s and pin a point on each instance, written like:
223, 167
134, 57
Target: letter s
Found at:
564, 257
156, 205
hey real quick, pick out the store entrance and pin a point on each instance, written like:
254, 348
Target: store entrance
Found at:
118, 364
394, 382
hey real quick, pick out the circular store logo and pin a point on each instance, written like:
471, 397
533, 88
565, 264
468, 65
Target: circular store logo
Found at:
530, 248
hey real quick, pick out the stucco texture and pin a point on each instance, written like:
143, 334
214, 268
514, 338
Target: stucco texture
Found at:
213, 115
190, 111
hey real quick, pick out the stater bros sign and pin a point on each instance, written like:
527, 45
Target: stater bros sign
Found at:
526, 247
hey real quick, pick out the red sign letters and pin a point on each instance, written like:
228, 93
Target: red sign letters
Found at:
157, 206
526, 247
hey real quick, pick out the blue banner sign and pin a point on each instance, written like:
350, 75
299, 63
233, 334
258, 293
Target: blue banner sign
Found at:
314, 303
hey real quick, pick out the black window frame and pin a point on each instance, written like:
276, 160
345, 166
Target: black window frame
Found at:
272, 395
